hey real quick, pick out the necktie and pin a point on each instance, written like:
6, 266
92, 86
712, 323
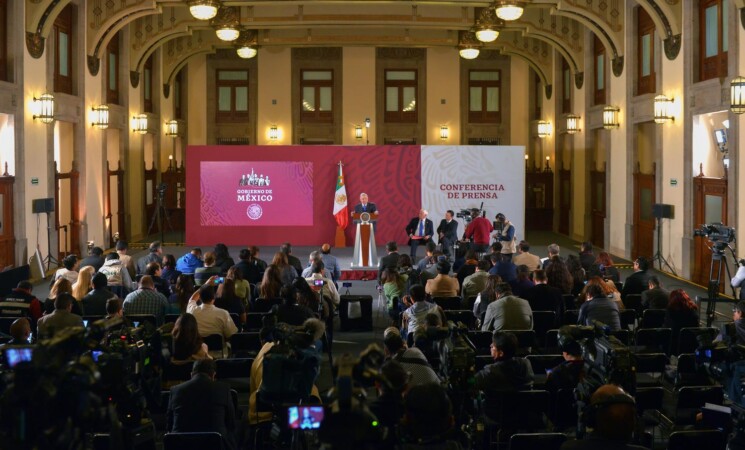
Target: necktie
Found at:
364, 207
421, 228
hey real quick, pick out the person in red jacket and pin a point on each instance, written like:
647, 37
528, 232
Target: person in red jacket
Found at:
479, 230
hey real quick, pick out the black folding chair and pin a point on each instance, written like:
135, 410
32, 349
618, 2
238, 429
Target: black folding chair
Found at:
481, 341
634, 301
215, 343
571, 317
570, 301
448, 303
552, 341
688, 374
627, 318
254, 321
537, 441
649, 368
235, 371
464, 316
692, 398
542, 322
653, 340
652, 318
688, 338
696, 440
526, 341
245, 345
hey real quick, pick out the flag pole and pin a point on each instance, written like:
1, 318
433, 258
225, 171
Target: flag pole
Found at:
340, 240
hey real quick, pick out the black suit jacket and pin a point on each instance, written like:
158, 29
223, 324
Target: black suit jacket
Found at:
636, 283
449, 230
295, 262
371, 208
201, 405
389, 261
411, 228
543, 297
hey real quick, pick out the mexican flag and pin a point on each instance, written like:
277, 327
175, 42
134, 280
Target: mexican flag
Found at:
341, 213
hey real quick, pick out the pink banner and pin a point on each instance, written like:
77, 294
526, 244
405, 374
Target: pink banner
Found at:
301, 211
263, 193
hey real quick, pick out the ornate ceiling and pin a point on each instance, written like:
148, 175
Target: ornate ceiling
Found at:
546, 25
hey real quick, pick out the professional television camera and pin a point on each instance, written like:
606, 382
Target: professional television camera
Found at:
607, 360
721, 238
71, 384
467, 214
718, 359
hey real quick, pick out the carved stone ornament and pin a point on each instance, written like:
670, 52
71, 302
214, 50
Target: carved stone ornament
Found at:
94, 64
401, 53
672, 46
35, 44
579, 79
166, 90
617, 64
315, 53
549, 91
134, 78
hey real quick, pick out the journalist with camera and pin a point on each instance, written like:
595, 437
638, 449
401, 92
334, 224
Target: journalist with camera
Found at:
478, 231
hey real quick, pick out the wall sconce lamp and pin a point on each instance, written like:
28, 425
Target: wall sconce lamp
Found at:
44, 106
358, 132
139, 124
367, 130
663, 109
544, 129
548, 167
100, 116
273, 133
573, 124
610, 117
444, 133
172, 128
737, 95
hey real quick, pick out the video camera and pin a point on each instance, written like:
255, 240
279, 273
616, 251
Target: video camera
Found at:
467, 214
607, 361
718, 233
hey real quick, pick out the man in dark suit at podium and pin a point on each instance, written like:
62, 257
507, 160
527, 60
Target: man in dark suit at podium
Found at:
420, 231
448, 232
364, 205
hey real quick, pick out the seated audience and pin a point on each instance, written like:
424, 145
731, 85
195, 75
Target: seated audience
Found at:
413, 317
637, 282
242, 288
485, 297
182, 292
68, 271
388, 407
428, 258
146, 300
468, 267
406, 269
209, 269
223, 260
61, 318
394, 285
211, 320
229, 301
443, 285
82, 286
314, 256
270, 285
598, 307
258, 262
332, 264
116, 273
328, 288
586, 256
523, 256
187, 343
412, 359
202, 405
543, 297
61, 286
94, 304
522, 284
609, 289
504, 267
21, 302
428, 419
155, 253
190, 262
121, 249
604, 268
507, 312
250, 271
474, 284
289, 311
508, 372
553, 251
574, 266
655, 297
287, 273
558, 275
114, 310
292, 260
681, 312
20, 330
321, 307
569, 373
161, 285
94, 259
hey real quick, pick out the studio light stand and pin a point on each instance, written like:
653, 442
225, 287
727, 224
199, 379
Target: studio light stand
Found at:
658, 255
49, 259
160, 213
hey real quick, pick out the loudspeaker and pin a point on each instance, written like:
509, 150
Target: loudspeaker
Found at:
42, 205
662, 211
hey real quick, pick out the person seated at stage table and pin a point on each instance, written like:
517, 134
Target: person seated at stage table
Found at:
447, 232
420, 231
287, 273
292, 260
389, 261
364, 206
204, 273
223, 260
190, 261
332, 265
443, 285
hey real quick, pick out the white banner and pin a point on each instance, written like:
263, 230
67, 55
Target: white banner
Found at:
462, 177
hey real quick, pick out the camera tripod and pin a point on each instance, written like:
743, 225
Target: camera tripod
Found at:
718, 261
160, 213
658, 255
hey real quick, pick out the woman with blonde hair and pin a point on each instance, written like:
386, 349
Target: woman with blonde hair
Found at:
83, 285
61, 286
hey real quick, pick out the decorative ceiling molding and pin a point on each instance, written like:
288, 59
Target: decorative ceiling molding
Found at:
39, 20
104, 24
536, 52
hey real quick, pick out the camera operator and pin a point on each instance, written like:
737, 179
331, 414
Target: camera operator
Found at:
569, 373
505, 234
739, 278
479, 230
612, 415
507, 373
389, 406
412, 359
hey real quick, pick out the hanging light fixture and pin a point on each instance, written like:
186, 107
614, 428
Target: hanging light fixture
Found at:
227, 33
487, 34
487, 26
610, 117
172, 128
44, 105
100, 117
572, 124
139, 123
468, 45
247, 52
737, 95
204, 9
227, 24
663, 109
508, 10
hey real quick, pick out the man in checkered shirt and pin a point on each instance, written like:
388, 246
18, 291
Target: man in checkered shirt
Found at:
146, 300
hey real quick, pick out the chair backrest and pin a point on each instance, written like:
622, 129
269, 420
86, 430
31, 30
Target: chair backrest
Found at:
245, 344
698, 439
236, 320
627, 318
652, 318
622, 335
525, 339
552, 339
254, 321
540, 363
192, 441
461, 315
263, 305
178, 371
520, 410
447, 303
649, 398
480, 339
564, 409
542, 322
697, 396
214, 342
570, 301
655, 340
688, 339
537, 441
633, 301
470, 301
651, 362
139, 318
571, 316
233, 368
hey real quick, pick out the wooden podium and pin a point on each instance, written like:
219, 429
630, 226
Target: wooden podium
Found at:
365, 252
